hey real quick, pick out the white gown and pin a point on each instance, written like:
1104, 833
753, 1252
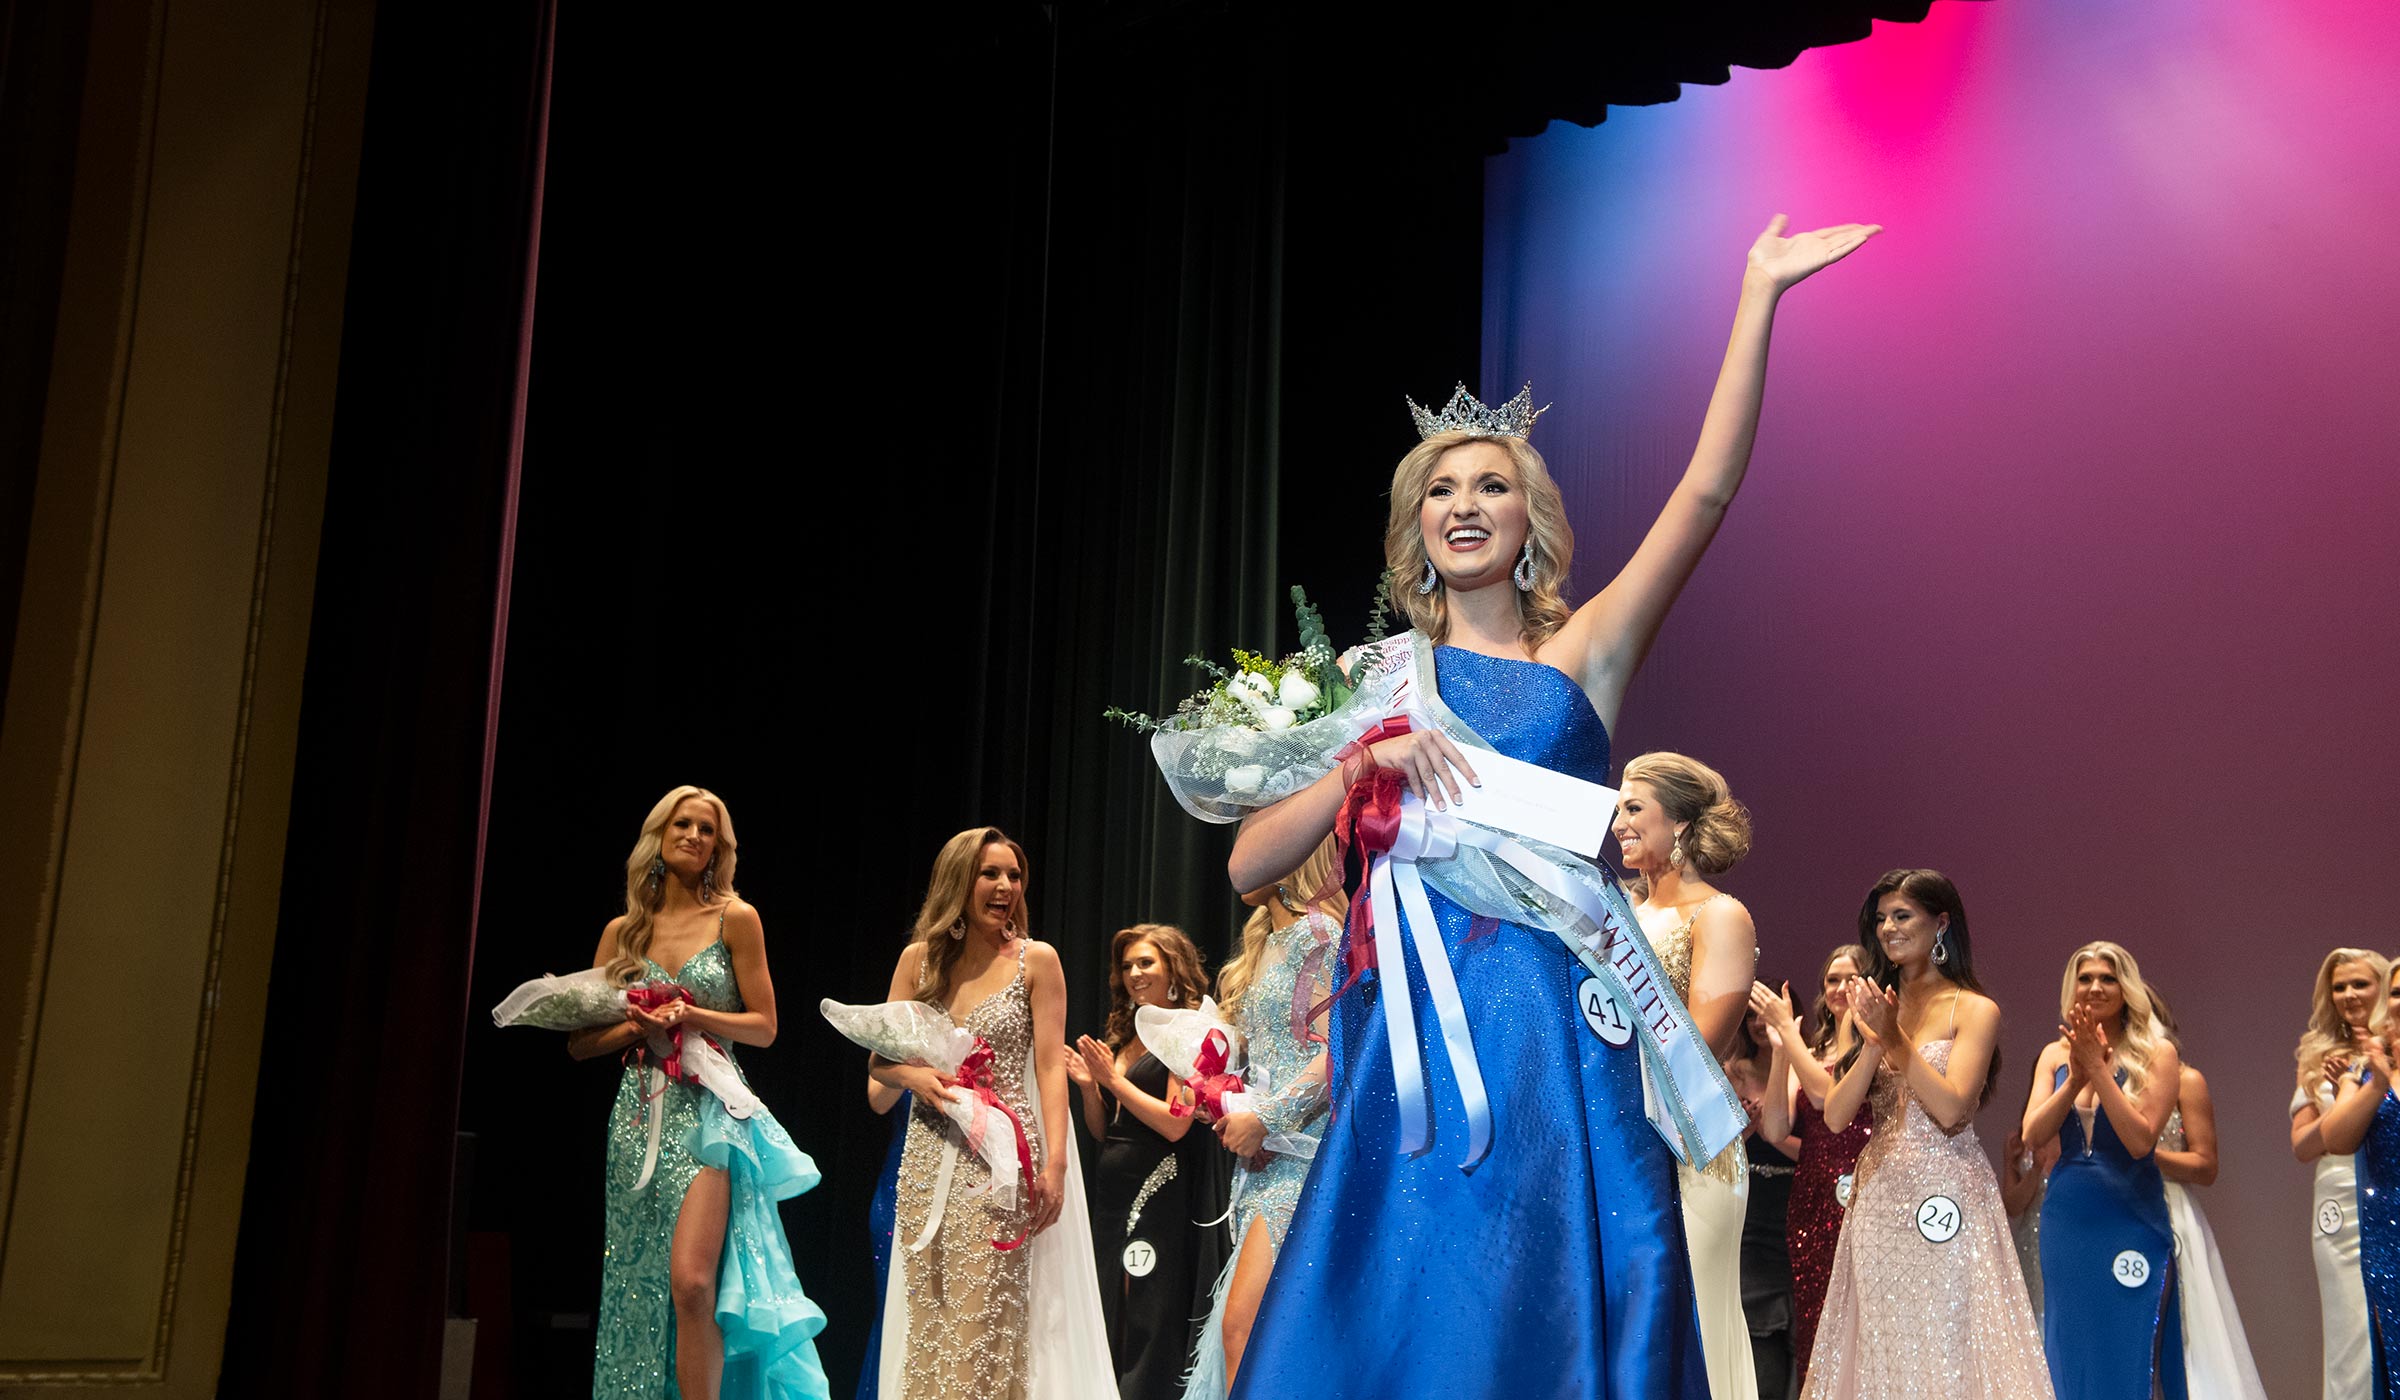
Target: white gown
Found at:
2341, 1293
2216, 1352
1714, 1203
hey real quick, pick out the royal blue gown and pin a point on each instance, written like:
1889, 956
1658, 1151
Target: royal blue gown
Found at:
2379, 1242
1556, 1267
2111, 1323
882, 1211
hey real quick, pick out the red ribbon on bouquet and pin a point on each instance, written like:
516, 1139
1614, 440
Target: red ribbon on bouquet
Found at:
975, 1075
1209, 1082
650, 996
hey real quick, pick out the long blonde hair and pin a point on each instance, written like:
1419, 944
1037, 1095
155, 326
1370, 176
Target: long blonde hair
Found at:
1315, 873
2142, 1032
2327, 1032
644, 895
946, 895
1541, 610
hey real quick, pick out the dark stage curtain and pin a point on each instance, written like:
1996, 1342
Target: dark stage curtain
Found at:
342, 1266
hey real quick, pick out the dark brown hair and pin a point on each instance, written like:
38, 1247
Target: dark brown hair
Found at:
1186, 978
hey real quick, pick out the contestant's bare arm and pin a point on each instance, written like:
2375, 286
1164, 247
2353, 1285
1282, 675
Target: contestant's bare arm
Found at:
2047, 1107
1951, 1097
1101, 1063
1046, 985
746, 945
2196, 1164
2138, 1121
1603, 644
1724, 964
1274, 840
1850, 1091
2355, 1101
595, 1041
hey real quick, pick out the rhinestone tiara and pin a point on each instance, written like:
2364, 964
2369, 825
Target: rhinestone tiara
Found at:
1464, 414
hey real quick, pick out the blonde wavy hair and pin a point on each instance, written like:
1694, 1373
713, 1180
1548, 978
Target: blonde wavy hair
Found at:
2142, 1032
2327, 1032
946, 895
1716, 828
1315, 873
643, 895
1540, 611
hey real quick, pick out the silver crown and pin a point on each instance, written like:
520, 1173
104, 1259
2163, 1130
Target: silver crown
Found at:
1464, 414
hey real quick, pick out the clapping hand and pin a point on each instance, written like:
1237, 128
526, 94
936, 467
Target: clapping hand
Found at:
1785, 262
1878, 1013
1099, 1063
2087, 1046
1779, 1015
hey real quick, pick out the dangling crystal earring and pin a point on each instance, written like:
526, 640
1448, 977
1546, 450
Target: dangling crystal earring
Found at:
1675, 854
1284, 893
1941, 948
658, 872
958, 927
1175, 993
708, 882
1426, 584
1524, 569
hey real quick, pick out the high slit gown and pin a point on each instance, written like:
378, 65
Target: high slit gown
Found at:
2110, 1318
1556, 1267
766, 1320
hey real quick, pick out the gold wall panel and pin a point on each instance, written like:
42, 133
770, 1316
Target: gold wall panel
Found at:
154, 696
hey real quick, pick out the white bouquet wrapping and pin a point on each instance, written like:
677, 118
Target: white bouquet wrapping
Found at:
911, 1032
586, 999
1199, 1048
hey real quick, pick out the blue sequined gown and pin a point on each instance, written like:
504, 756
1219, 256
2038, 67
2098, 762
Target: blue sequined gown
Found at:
881, 1213
1557, 1266
2111, 1323
2379, 1242
766, 1320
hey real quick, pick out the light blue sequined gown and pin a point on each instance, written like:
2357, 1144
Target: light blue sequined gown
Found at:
2379, 1242
1293, 1103
1556, 1268
766, 1319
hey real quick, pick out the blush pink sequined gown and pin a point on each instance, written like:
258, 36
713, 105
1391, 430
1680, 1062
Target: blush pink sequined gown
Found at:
1926, 1298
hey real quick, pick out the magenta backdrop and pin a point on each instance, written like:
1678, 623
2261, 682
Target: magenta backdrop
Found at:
2064, 564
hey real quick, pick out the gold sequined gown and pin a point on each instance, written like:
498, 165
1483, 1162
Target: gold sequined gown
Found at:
968, 1329
1927, 1298
1716, 1200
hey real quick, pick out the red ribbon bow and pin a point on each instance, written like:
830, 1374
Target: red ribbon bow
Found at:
975, 1075
1209, 1082
650, 996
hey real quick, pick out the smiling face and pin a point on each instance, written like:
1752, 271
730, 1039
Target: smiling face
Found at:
2392, 1016
689, 840
1904, 929
2354, 988
2097, 989
1645, 833
1474, 516
1837, 985
1144, 971
998, 889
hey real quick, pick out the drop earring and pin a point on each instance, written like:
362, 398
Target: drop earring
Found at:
1426, 584
1941, 947
958, 928
1524, 570
708, 882
658, 873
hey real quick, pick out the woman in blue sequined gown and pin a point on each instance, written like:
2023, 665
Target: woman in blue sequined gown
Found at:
881, 1211
698, 1295
2365, 1119
2111, 1320
1555, 1265
1270, 991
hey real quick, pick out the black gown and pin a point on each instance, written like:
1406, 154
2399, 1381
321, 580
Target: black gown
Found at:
1767, 1271
1158, 1260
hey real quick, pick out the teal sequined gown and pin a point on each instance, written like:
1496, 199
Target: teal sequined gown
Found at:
766, 1320
1292, 1103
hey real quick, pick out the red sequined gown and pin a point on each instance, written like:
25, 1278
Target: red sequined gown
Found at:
1813, 1225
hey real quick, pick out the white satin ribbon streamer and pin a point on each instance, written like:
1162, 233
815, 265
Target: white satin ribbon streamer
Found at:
1691, 1105
1424, 834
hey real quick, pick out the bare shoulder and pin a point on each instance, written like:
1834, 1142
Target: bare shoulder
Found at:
2194, 1082
2053, 1055
742, 923
1042, 960
1725, 914
912, 958
606, 953
1976, 1009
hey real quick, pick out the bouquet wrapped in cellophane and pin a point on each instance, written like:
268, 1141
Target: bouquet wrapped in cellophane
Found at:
1207, 1055
911, 1032
590, 998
